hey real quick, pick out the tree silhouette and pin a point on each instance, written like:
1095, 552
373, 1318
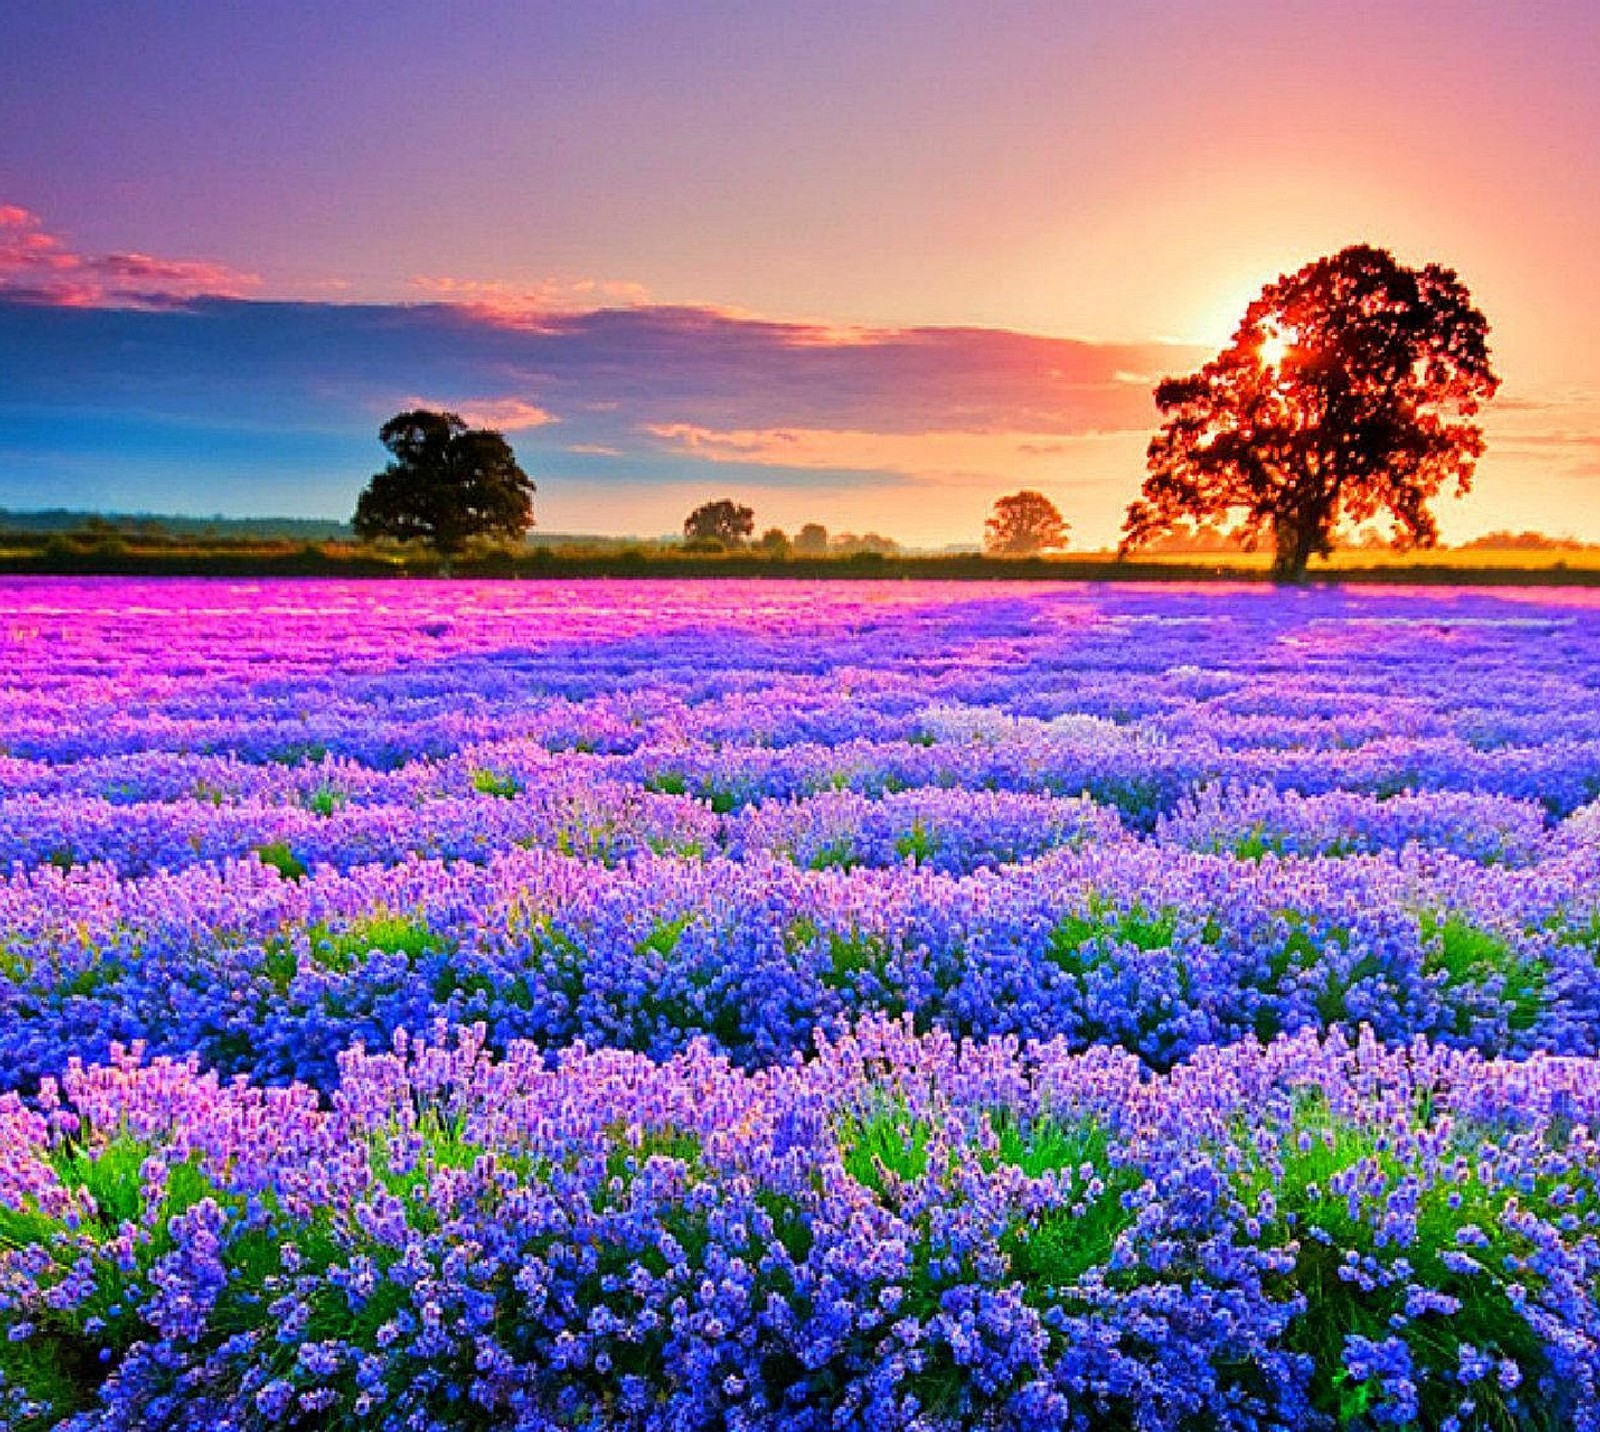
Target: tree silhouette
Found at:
445, 483
1023, 525
812, 539
1348, 390
724, 521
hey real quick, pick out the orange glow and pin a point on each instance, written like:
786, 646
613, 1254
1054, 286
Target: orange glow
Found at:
1274, 346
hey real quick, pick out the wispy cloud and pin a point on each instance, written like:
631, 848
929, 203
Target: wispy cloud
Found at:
509, 415
1561, 430
951, 457
529, 303
37, 266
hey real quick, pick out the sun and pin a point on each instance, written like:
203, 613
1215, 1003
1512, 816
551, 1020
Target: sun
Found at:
1274, 346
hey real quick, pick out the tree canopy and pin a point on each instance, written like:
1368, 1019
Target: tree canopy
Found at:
1023, 525
1348, 390
811, 539
723, 521
445, 484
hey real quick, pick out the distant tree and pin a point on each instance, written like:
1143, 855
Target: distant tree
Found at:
724, 521
1521, 542
848, 544
1366, 539
812, 539
1348, 390
445, 484
775, 542
1023, 525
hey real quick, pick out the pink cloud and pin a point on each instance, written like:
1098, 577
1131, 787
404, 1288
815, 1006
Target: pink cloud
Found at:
37, 266
508, 415
526, 303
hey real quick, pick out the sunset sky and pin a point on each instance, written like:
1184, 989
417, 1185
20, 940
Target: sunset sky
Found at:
870, 264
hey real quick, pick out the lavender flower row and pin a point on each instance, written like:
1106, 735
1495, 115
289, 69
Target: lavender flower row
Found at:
1158, 950
902, 1233
575, 812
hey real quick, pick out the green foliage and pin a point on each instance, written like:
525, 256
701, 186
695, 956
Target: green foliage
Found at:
851, 957
631, 1147
1051, 1251
299, 753
277, 854
342, 951
1468, 955
1301, 945
64, 1361
681, 849
664, 936
884, 1147
675, 783
837, 854
1140, 798
1079, 942
1315, 1151
488, 783
1256, 844
919, 844
325, 800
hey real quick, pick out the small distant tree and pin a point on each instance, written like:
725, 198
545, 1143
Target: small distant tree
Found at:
1023, 525
445, 484
812, 539
775, 542
724, 521
1348, 391
848, 544
1521, 542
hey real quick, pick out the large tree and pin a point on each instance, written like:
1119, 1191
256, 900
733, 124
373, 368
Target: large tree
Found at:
1349, 390
724, 521
1023, 525
445, 483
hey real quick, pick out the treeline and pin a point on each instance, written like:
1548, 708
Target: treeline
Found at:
1208, 539
81, 533
158, 527
92, 554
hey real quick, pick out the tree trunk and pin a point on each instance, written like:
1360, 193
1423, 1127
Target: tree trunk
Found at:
1293, 545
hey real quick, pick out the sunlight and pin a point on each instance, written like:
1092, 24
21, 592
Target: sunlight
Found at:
1274, 346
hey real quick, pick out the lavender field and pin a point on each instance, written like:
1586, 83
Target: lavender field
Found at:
778, 1006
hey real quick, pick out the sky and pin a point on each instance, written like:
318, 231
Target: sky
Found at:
870, 264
